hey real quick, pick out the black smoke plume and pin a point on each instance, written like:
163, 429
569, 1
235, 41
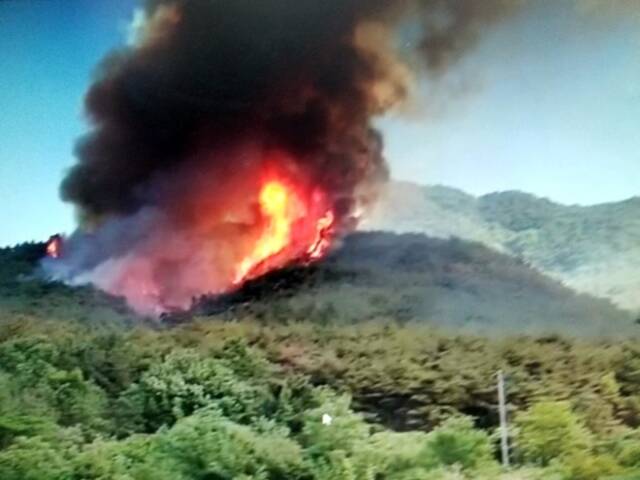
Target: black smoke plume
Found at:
185, 120
298, 75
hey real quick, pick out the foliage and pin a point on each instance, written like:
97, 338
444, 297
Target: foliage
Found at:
411, 278
185, 381
457, 442
87, 395
550, 430
242, 400
24, 291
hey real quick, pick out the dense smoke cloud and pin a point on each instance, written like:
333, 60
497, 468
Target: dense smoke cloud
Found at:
210, 75
211, 97
299, 75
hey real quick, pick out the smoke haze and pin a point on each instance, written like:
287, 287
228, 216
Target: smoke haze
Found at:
213, 100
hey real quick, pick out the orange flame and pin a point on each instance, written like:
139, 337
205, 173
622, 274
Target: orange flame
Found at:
322, 241
284, 211
54, 246
275, 205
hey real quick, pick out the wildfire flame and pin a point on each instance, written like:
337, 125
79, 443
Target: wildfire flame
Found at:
284, 211
54, 246
322, 241
264, 223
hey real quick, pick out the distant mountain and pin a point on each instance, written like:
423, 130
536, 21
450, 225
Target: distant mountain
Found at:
454, 284
593, 249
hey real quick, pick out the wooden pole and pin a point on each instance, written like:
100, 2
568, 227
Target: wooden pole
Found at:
504, 432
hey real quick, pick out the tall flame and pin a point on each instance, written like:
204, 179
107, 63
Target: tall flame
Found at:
283, 211
275, 206
265, 223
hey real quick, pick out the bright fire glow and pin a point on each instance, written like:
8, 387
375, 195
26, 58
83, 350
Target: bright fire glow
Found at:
253, 226
322, 241
284, 213
275, 200
53, 246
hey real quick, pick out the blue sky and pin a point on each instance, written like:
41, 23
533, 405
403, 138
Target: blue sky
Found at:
48, 49
552, 108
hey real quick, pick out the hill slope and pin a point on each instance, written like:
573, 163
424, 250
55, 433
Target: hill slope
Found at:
23, 294
450, 283
412, 278
593, 249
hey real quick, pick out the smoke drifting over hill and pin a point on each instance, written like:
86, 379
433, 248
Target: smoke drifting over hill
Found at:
235, 137
232, 138
301, 76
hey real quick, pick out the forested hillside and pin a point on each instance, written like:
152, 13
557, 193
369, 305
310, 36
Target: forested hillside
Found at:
262, 388
453, 284
593, 249
252, 400
24, 292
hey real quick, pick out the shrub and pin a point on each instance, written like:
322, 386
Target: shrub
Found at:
550, 430
207, 445
457, 442
184, 382
41, 457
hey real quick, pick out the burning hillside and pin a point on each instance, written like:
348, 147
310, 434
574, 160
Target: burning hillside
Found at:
168, 260
234, 137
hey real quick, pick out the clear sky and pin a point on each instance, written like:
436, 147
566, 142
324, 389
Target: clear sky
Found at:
48, 50
550, 106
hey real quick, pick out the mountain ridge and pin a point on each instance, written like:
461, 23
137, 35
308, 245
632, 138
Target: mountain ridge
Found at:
592, 249
380, 277
454, 284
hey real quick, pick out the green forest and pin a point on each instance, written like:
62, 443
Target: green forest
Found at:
88, 391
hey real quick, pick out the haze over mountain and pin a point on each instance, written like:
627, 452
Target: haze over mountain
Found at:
593, 249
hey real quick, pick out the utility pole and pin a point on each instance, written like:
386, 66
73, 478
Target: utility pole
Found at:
504, 432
